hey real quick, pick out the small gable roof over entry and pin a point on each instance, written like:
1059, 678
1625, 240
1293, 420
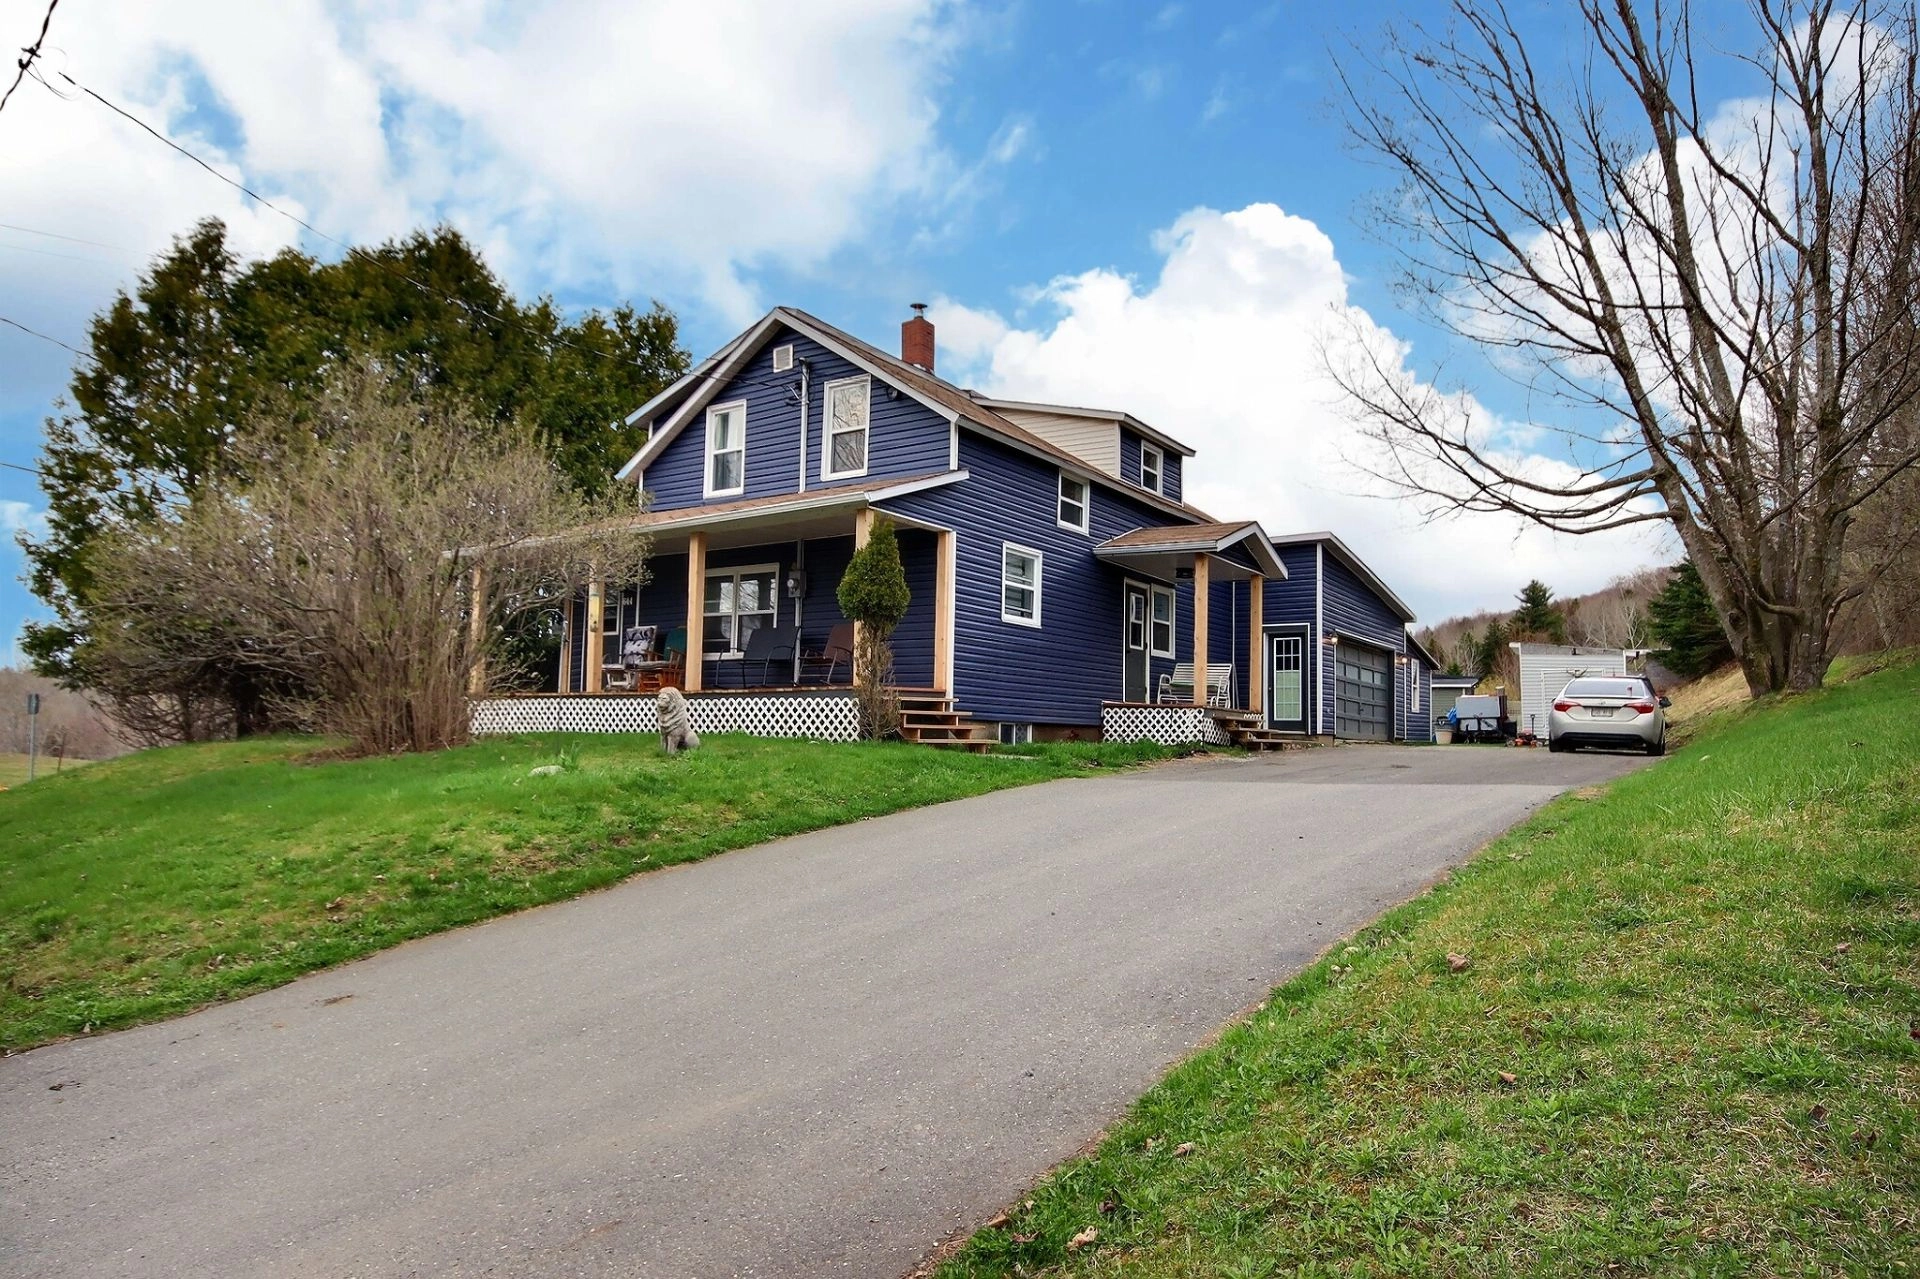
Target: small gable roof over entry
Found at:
1162, 549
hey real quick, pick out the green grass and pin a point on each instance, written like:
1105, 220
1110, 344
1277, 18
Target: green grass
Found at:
1704, 983
142, 887
13, 768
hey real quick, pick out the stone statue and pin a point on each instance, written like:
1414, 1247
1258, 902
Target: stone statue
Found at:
676, 725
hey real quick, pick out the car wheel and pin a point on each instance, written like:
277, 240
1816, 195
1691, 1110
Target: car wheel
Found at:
1659, 747
1556, 747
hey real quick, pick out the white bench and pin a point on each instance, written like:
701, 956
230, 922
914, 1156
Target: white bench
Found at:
1177, 688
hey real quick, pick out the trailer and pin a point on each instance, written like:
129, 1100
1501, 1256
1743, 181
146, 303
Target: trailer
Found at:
1545, 669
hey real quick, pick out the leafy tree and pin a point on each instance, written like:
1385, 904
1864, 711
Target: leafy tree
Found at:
873, 593
1682, 620
1538, 619
206, 342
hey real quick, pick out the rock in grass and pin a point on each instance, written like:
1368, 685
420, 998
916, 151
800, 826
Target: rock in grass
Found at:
546, 770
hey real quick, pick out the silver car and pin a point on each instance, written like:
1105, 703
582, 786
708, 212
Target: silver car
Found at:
1620, 712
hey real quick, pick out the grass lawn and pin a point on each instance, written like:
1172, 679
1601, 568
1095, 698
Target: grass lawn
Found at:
141, 887
13, 768
1687, 1042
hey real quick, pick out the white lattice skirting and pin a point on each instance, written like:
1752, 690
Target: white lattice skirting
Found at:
1167, 725
829, 718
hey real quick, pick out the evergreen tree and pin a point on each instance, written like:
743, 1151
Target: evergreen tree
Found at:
873, 593
1683, 622
1538, 618
1493, 648
205, 343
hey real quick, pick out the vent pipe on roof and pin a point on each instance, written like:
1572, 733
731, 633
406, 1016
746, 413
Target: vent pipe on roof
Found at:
916, 339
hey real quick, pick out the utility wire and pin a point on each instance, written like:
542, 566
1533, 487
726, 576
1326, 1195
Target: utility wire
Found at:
45, 337
31, 52
384, 265
30, 470
55, 235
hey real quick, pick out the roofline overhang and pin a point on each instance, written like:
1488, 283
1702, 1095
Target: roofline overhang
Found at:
1100, 415
1262, 550
1353, 562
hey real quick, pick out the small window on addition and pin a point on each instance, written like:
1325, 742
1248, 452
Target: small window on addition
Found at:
1016, 734
1152, 463
1073, 503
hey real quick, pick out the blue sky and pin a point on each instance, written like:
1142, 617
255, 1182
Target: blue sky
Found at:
1145, 206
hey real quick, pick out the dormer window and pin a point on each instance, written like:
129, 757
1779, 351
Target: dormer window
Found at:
727, 449
843, 448
1074, 503
1152, 465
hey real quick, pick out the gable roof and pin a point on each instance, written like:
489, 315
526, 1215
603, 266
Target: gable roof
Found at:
1352, 561
1413, 642
942, 397
1145, 543
1099, 415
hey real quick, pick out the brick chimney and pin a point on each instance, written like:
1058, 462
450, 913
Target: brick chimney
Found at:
916, 338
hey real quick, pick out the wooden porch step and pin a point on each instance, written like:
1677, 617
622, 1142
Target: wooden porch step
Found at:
1260, 739
1225, 715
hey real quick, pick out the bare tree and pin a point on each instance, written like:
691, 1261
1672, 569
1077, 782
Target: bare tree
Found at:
1733, 283
348, 569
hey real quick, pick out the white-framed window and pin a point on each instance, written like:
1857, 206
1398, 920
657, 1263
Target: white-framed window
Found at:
843, 447
1160, 626
1075, 503
1016, 734
1153, 465
1136, 621
727, 449
1019, 584
783, 358
739, 601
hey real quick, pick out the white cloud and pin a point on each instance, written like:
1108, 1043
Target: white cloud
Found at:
19, 517
638, 145
1224, 351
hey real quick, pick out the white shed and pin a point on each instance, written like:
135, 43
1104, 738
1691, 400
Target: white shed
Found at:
1545, 670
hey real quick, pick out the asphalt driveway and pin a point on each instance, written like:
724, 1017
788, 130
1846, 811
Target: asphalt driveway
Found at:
816, 1056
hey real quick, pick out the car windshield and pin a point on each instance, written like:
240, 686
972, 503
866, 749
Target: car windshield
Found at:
1605, 688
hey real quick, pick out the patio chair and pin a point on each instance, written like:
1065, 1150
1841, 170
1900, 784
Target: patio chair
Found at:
1177, 688
766, 646
824, 666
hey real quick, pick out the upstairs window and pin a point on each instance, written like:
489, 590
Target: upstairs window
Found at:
727, 449
1152, 464
1019, 584
843, 451
1073, 503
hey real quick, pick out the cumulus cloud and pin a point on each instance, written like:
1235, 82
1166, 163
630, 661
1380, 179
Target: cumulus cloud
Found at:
1227, 351
647, 145
19, 517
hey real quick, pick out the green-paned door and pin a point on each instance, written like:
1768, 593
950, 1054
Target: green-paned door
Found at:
1363, 693
1287, 681
1133, 643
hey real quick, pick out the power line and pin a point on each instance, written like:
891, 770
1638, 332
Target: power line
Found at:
30, 470
54, 235
32, 51
45, 337
297, 220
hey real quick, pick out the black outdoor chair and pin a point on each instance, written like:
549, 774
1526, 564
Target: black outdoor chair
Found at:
766, 646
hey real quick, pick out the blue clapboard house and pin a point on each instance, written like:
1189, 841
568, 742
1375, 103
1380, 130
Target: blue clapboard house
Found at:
1061, 584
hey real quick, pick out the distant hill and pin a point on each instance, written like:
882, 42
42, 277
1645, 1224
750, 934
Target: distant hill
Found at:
1612, 617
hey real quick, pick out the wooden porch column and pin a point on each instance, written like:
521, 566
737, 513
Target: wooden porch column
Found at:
477, 631
862, 530
566, 648
1256, 659
1200, 601
943, 587
696, 610
596, 607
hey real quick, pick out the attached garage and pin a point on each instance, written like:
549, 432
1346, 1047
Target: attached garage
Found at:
1363, 693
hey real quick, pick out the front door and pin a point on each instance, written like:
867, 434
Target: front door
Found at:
1287, 681
1133, 643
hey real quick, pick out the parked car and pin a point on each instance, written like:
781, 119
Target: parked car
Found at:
1613, 711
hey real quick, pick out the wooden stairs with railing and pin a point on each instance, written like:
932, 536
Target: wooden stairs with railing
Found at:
1244, 729
928, 718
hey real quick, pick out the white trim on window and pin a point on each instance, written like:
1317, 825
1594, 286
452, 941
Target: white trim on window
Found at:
736, 412
1155, 595
1084, 502
1158, 483
783, 357
736, 572
831, 429
1030, 615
